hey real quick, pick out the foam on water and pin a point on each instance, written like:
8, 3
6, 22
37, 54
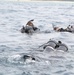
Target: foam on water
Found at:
14, 44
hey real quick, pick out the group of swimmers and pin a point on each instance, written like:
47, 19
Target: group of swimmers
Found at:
30, 25
57, 45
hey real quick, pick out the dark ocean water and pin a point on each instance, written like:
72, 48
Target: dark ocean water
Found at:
14, 44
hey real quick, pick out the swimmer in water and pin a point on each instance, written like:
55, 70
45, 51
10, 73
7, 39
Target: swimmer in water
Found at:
25, 57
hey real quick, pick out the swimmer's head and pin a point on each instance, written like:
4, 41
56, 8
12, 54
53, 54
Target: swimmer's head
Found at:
32, 20
33, 58
59, 42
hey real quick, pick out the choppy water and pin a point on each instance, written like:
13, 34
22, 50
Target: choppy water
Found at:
13, 44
